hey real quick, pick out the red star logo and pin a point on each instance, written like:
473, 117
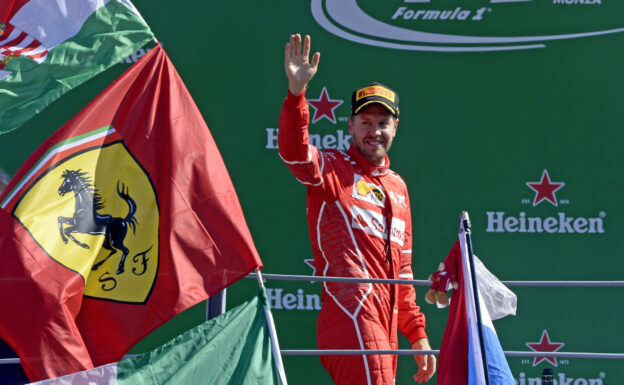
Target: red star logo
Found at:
545, 189
545, 346
310, 262
324, 107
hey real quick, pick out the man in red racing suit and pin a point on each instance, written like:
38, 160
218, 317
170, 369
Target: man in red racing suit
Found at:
360, 226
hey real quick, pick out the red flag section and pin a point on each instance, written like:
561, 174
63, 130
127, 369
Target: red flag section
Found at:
8, 8
122, 219
453, 363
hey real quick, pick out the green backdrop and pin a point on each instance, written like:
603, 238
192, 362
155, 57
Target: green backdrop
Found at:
492, 94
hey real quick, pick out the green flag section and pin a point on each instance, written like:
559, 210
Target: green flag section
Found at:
49, 47
233, 349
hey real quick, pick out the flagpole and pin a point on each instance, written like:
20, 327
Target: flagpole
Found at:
273, 334
475, 293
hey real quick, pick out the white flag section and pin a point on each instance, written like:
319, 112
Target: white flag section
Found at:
498, 368
48, 47
61, 22
498, 299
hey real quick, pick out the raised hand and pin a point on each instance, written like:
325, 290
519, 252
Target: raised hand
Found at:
299, 70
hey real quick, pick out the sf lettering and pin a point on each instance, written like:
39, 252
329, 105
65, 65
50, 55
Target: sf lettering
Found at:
140, 264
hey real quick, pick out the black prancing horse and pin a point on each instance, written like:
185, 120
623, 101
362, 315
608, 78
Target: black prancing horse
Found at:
87, 220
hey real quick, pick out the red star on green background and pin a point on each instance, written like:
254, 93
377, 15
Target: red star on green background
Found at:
324, 107
544, 345
545, 189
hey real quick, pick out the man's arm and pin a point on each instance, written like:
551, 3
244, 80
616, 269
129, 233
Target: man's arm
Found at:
305, 161
411, 320
292, 139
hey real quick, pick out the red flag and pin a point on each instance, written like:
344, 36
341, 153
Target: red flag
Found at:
453, 366
122, 219
461, 353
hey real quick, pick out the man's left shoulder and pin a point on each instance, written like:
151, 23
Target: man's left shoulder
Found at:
396, 177
397, 190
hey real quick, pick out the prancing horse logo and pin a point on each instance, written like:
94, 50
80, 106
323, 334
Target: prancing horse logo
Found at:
87, 220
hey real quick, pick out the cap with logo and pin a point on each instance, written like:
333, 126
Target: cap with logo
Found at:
375, 93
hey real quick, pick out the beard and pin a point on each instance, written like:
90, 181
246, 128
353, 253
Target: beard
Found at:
374, 154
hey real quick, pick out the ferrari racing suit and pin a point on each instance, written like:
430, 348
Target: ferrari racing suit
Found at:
359, 224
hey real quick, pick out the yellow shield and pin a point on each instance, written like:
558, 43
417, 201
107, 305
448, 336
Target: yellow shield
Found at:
95, 212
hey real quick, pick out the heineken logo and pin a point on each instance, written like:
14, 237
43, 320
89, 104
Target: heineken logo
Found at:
324, 107
456, 25
545, 189
502, 222
544, 192
283, 299
545, 345
92, 208
562, 378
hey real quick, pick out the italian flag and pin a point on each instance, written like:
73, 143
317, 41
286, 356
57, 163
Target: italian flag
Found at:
234, 348
48, 47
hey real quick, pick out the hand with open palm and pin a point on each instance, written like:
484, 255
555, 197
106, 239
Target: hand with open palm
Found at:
299, 69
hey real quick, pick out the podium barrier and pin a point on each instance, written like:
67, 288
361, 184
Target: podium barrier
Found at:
310, 352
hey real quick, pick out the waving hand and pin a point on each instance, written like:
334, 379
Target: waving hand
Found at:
299, 69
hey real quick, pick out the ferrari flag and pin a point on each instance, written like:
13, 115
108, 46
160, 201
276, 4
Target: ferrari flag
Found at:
232, 349
48, 47
123, 218
461, 355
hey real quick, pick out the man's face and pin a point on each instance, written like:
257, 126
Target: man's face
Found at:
373, 130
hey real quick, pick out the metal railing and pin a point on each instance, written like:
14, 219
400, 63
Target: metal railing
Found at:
424, 282
310, 352
408, 352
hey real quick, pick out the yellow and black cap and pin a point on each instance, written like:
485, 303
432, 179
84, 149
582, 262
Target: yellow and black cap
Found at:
375, 93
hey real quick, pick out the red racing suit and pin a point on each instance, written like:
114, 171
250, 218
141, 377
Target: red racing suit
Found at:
360, 226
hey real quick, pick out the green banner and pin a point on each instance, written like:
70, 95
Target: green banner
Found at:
511, 110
